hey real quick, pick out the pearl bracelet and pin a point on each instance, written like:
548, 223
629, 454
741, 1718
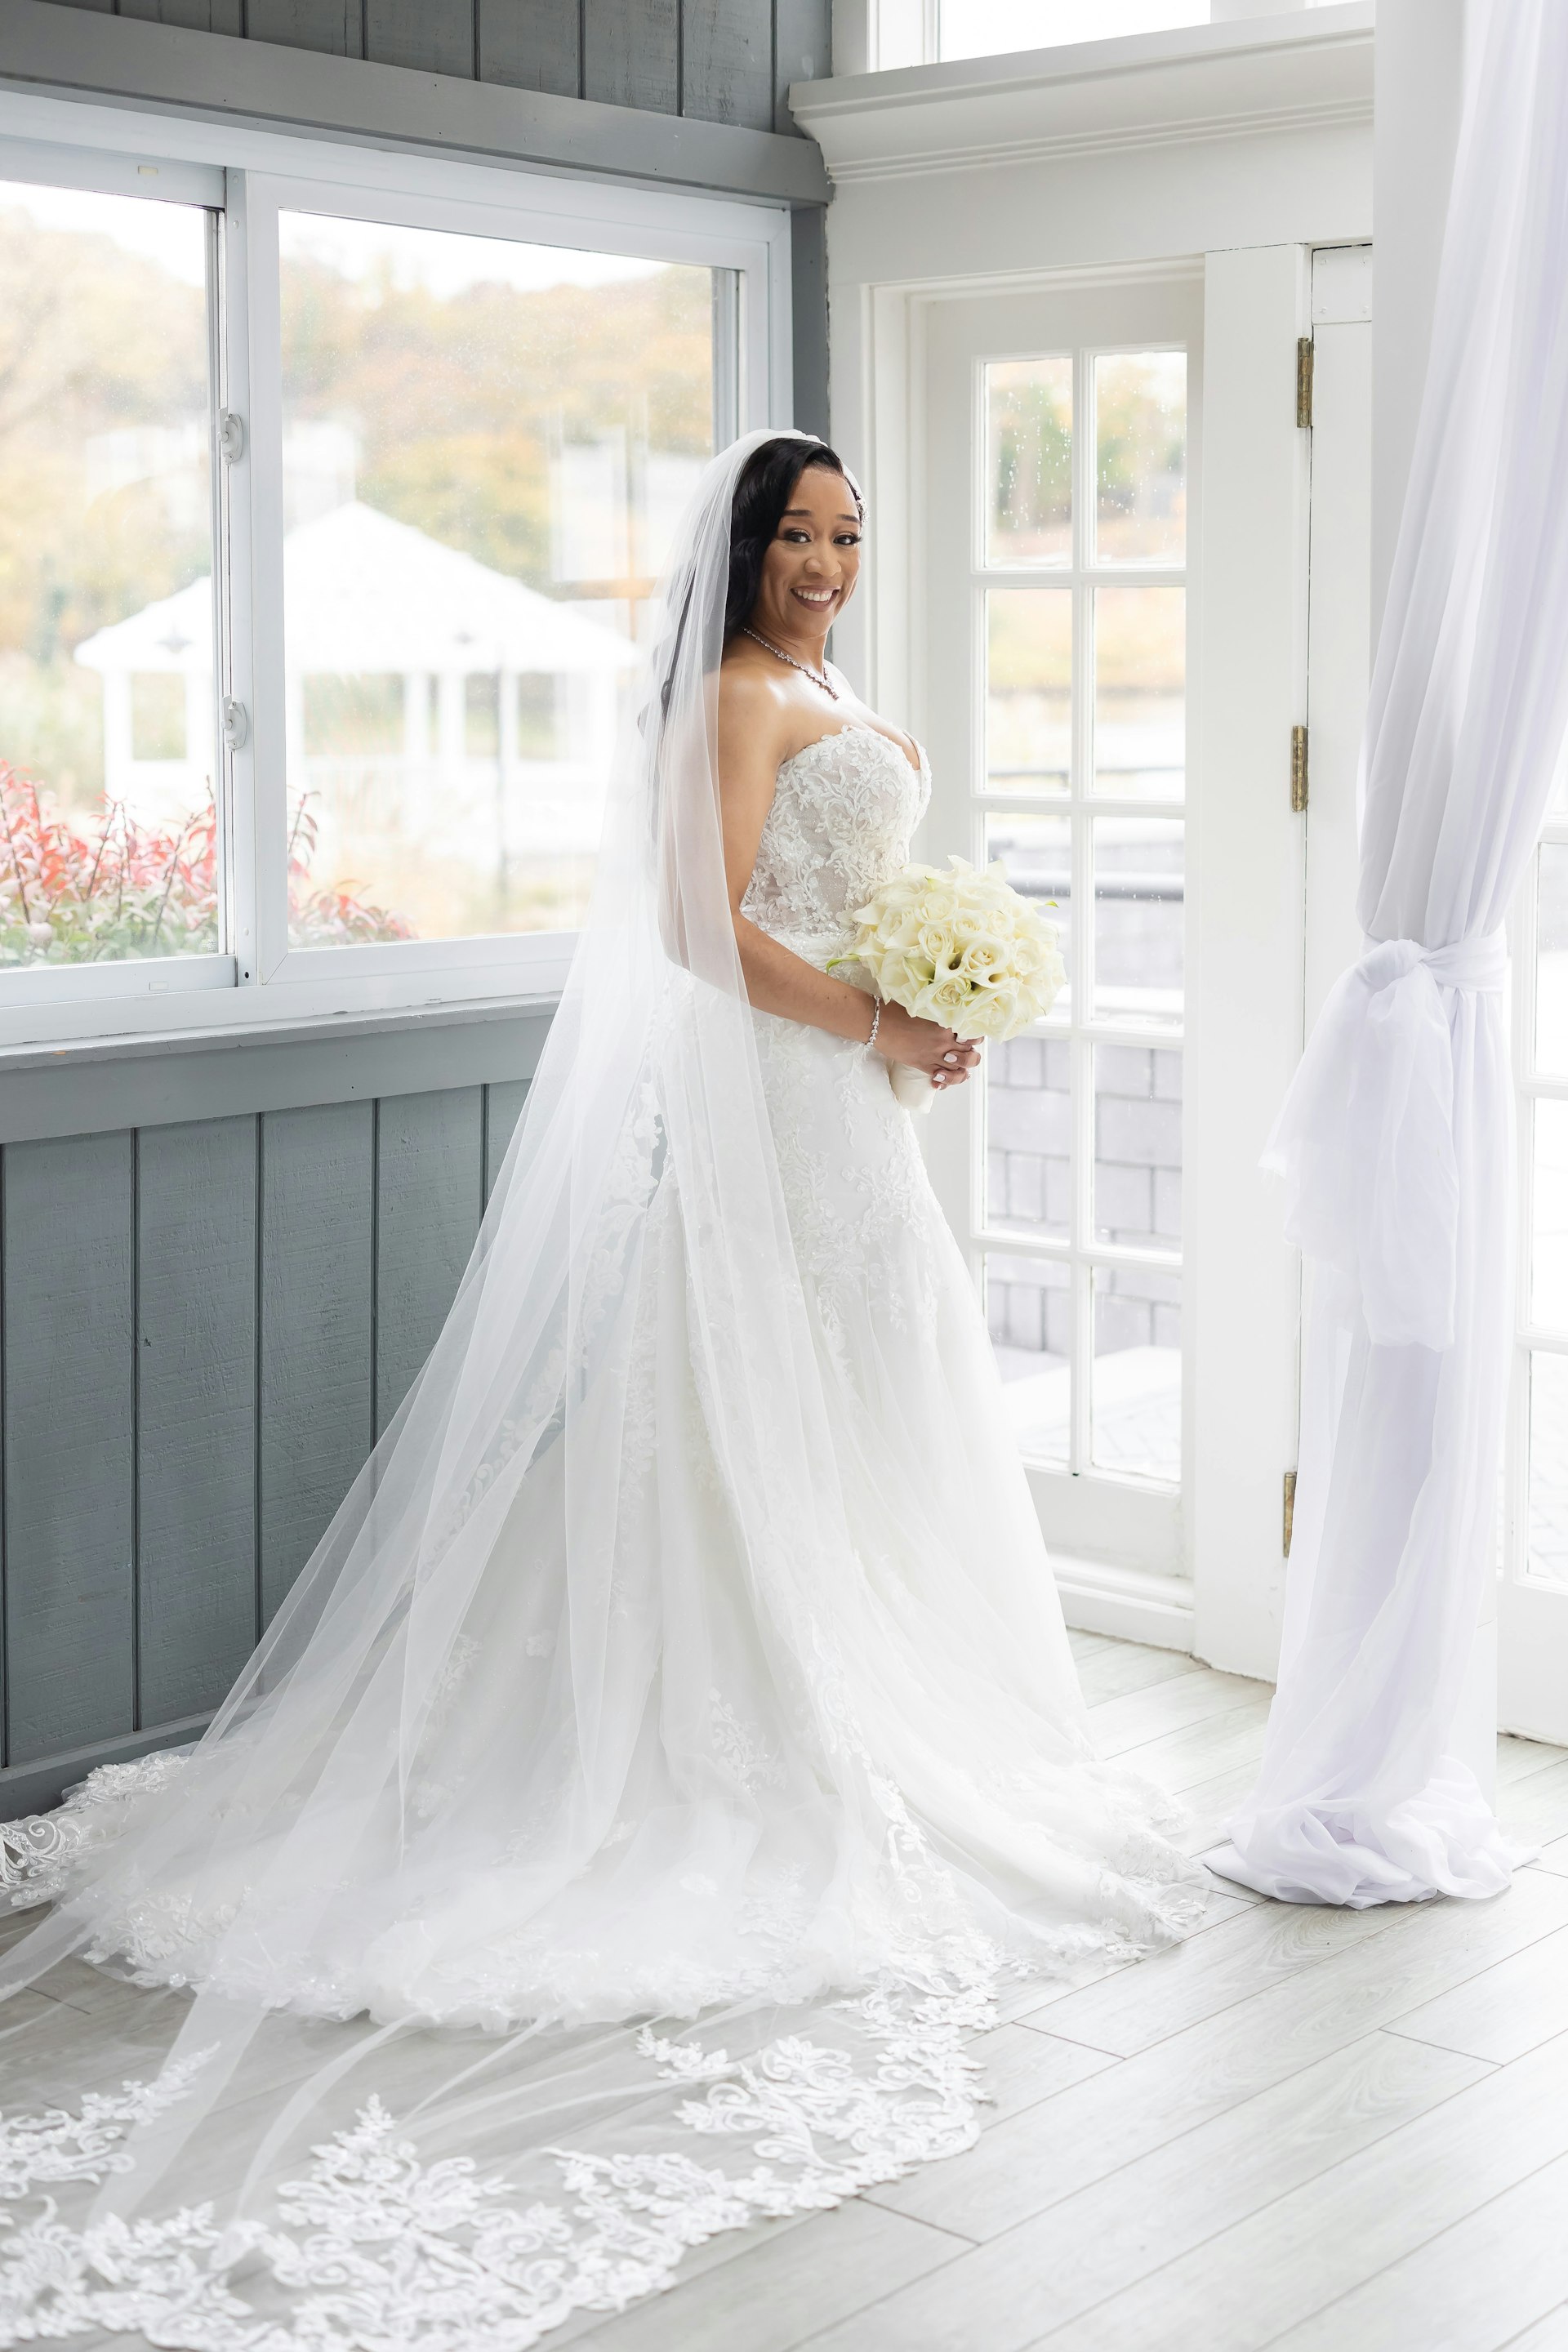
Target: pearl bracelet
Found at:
876, 1023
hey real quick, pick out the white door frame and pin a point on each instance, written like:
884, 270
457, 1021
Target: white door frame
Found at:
1222, 1595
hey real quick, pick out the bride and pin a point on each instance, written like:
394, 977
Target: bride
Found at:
686, 1649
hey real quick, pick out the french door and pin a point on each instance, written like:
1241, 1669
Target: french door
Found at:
1059, 502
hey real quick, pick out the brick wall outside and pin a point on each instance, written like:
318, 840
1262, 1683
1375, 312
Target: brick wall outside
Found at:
1137, 1186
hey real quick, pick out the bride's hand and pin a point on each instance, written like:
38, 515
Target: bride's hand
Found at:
945, 1057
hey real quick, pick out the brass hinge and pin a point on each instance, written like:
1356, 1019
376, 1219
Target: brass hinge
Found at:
1297, 771
1290, 1509
1304, 381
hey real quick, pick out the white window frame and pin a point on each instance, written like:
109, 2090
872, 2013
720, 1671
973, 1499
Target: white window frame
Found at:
1134, 1530
247, 177
1533, 1610
888, 36
1078, 1252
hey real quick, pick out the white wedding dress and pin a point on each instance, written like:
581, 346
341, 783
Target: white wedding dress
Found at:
725, 1673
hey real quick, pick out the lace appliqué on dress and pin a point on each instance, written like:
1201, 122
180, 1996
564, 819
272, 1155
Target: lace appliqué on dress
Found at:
375, 2246
36, 1853
842, 814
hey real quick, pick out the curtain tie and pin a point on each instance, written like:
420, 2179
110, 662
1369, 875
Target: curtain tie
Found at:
1364, 1140
1478, 962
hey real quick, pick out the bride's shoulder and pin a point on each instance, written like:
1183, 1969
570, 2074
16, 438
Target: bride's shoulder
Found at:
749, 692
755, 727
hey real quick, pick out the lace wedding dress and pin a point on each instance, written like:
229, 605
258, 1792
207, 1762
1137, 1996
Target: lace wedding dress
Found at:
691, 1653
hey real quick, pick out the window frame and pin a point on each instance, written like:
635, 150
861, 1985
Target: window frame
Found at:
246, 177
1533, 1607
1126, 1535
1080, 1253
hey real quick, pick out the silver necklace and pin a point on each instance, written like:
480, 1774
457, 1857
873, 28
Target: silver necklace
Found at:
817, 677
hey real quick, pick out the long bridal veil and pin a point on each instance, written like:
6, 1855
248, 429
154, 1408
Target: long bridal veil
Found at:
611, 1696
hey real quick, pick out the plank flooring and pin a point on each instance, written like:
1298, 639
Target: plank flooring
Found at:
1296, 2131
1319, 2131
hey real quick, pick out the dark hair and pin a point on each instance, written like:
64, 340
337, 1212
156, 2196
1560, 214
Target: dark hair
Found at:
764, 489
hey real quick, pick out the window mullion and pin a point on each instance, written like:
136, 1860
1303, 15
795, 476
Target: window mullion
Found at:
258, 568
222, 634
1082, 901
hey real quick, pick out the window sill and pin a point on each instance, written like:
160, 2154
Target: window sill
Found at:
279, 1030
160, 1018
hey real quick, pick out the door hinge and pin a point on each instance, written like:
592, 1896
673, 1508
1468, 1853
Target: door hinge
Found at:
1297, 771
1290, 1522
1304, 381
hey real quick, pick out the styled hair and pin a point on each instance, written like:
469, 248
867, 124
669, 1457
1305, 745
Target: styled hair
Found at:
762, 492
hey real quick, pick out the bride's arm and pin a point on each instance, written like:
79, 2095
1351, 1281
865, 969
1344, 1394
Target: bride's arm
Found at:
752, 743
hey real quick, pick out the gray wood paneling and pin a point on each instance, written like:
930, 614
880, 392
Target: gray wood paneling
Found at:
431, 35
533, 45
317, 1180
194, 1321
503, 1108
429, 1185
803, 51
808, 317
70, 1418
336, 27
195, 16
197, 1285
138, 1083
727, 61
162, 65
631, 55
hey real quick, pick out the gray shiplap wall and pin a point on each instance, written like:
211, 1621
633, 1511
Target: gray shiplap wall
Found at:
716, 61
203, 1324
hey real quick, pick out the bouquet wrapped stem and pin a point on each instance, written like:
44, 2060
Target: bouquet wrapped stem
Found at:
912, 1086
959, 947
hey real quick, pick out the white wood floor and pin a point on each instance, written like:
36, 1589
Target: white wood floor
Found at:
1317, 2131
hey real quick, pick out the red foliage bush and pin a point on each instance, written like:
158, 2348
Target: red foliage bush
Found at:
129, 889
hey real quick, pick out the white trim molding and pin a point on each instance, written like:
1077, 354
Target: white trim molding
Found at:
1309, 70
1130, 1604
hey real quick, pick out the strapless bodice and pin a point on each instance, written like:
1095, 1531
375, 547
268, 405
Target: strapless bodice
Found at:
843, 812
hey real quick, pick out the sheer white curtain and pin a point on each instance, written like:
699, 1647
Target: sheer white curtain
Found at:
1396, 1140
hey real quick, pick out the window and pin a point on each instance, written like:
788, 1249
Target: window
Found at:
109, 746
486, 445
1078, 788
330, 524
984, 28
924, 32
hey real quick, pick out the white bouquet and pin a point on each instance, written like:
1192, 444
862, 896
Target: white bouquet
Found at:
962, 948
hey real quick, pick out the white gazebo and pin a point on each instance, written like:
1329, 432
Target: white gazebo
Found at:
366, 595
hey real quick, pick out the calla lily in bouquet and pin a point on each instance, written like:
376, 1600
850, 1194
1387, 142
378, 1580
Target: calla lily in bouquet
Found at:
961, 947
